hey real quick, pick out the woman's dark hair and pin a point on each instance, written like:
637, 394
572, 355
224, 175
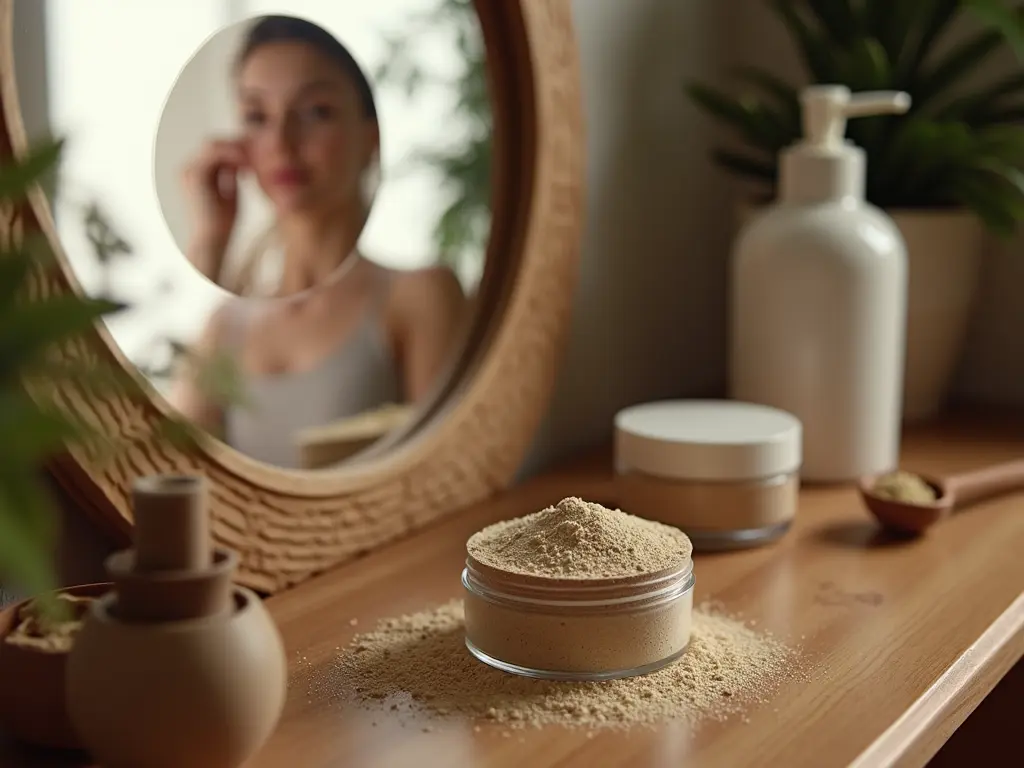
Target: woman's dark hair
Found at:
290, 29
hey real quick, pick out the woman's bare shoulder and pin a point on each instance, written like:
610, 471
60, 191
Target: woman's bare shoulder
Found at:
433, 283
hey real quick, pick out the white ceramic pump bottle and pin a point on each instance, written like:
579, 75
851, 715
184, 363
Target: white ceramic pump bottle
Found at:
819, 297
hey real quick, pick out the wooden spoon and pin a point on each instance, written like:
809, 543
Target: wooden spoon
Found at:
952, 493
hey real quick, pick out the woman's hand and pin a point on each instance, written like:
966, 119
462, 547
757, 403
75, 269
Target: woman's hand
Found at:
211, 186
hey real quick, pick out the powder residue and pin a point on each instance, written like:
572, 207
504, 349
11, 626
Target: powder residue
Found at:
418, 664
577, 539
905, 487
40, 631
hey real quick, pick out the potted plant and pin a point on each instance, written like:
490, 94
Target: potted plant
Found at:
37, 634
947, 171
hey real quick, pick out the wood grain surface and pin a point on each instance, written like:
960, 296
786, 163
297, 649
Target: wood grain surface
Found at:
899, 640
469, 441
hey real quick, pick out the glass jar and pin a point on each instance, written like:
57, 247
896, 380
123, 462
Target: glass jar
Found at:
726, 473
577, 629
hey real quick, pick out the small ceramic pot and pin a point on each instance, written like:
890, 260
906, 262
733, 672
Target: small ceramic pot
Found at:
203, 693
33, 705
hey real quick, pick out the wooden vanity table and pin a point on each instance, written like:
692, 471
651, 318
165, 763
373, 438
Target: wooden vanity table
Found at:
900, 640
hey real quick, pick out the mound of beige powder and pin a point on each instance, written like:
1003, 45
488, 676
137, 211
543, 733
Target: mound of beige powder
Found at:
577, 539
418, 665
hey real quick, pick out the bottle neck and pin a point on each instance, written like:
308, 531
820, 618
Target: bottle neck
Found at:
808, 175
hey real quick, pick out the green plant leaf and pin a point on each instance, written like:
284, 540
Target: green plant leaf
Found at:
33, 435
1006, 20
997, 206
837, 17
876, 16
921, 154
892, 24
27, 533
28, 330
785, 96
18, 177
756, 122
1004, 143
814, 47
742, 165
1013, 113
926, 21
867, 66
978, 108
960, 62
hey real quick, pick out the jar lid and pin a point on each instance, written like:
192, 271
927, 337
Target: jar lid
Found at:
707, 440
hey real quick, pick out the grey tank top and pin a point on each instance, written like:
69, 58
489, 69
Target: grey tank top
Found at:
358, 376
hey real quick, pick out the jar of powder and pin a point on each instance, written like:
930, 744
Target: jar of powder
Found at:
725, 472
549, 596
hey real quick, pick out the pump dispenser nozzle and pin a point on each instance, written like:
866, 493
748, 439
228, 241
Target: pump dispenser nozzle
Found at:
824, 165
826, 109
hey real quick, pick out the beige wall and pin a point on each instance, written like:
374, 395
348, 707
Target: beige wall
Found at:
649, 308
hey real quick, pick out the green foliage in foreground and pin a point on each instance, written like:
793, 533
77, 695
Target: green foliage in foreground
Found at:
37, 428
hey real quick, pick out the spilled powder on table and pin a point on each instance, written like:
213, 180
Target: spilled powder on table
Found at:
419, 664
581, 540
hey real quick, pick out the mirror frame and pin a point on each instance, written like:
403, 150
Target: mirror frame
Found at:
469, 441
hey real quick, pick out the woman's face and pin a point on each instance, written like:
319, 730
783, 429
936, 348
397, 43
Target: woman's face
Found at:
306, 133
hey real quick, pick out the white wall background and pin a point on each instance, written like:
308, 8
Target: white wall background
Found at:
111, 67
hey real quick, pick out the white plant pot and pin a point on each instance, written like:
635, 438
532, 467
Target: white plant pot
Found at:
945, 250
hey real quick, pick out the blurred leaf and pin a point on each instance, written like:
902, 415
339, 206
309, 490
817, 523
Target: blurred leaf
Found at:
105, 241
960, 62
33, 435
28, 330
837, 18
1005, 142
756, 122
462, 229
16, 178
978, 107
867, 66
741, 165
784, 95
27, 533
998, 207
1006, 20
937, 15
813, 46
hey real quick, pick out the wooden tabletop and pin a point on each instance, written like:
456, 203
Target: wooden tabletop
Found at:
901, 640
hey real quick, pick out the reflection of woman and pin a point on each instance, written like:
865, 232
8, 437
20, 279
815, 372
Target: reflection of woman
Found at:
342, 335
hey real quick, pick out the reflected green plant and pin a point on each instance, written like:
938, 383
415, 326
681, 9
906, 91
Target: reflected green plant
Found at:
462, 229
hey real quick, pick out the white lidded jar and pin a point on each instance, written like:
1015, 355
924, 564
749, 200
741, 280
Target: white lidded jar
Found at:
819, 294
725, 473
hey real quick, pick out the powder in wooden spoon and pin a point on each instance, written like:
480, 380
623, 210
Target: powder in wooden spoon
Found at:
904, 487
577, 539
418, 664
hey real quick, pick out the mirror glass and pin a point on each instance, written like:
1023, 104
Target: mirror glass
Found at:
293, 199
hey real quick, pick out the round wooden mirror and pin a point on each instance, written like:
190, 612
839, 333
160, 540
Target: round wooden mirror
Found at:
464, 434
